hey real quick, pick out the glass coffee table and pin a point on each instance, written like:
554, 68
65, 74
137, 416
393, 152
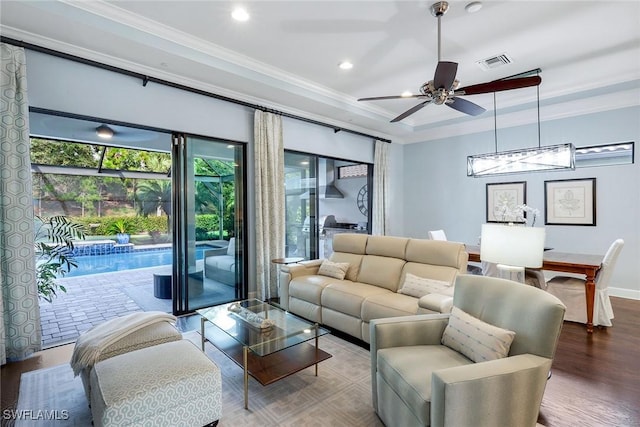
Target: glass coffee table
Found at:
267, 342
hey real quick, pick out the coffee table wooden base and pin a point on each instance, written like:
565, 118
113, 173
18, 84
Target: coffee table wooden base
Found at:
264, 369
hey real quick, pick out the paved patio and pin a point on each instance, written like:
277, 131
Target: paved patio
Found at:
92, 299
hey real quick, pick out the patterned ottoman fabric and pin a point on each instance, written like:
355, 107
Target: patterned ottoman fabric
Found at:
154, 334
170, 384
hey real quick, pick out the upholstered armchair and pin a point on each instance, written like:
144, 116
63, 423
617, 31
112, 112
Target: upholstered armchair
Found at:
419, 381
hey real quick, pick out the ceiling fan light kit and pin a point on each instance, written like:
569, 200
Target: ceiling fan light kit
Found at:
443, 89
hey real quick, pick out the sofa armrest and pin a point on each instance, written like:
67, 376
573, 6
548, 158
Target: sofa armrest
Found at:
302, 268
290, 271
499, 392
436, 302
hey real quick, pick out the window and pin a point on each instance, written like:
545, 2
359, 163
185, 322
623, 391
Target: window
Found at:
605, 155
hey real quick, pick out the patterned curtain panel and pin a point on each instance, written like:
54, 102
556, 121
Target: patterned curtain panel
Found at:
269, 190
380, 189
20, 325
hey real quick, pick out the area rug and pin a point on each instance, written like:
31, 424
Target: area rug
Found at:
339, 396
143, 296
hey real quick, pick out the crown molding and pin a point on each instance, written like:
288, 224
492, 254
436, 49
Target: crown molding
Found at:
195, 49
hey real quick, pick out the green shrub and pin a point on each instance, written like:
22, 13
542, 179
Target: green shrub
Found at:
104, 226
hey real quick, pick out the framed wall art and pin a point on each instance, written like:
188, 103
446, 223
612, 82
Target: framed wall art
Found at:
570, 202
502, 198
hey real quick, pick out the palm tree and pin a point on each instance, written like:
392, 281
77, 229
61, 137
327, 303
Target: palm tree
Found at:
154, 195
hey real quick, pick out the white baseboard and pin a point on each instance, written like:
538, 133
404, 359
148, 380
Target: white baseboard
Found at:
624, 293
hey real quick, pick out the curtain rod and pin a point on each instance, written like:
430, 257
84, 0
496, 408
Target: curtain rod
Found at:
146, 79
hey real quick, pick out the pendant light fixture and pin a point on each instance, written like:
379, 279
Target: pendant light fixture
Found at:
104, 132
535, 159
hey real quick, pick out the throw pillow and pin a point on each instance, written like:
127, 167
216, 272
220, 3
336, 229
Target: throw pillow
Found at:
420, 286
337, 270
478, 340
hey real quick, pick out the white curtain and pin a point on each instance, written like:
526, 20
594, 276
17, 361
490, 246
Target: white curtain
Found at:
379, 216
20, 326
269, 190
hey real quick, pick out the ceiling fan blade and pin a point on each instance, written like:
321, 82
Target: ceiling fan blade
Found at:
465, 106
499, 85
445, 75
375, 98
411, 111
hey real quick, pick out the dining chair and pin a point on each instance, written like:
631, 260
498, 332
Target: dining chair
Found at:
571, 291
437, 235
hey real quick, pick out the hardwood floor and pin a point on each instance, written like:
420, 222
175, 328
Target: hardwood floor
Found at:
595, 378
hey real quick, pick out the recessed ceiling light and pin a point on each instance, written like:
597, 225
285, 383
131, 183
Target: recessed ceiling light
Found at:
240, 14
345, 65
406, 94
474, 6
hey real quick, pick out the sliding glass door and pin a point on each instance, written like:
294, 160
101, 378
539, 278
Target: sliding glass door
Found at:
208, 228
324, 196
301, 202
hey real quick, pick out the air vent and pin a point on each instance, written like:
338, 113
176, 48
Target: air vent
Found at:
495, 61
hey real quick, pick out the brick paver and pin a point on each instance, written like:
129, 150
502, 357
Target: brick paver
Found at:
90, 300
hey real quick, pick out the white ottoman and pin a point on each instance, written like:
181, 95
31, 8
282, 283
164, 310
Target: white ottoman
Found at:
154, 334
170, 384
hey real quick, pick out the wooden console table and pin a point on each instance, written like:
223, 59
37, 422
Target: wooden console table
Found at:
589, 265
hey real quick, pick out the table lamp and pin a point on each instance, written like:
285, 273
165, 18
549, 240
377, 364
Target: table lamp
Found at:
512, 248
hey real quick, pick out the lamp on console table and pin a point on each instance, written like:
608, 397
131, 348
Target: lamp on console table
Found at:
512, 248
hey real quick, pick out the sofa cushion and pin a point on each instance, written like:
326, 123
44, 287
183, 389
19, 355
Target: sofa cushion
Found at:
418, 287
337, 270
309, 288
347, 297
478, 340
354, 261
388, 304
396, 365
381, 271
435, 252
387, 246
231, 248
350, 242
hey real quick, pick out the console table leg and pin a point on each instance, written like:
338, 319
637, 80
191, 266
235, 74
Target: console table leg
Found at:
202, 319
316, 327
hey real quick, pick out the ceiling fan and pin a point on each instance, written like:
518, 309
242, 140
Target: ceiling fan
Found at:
443, 89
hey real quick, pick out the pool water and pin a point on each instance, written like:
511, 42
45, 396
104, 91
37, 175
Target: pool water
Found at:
96, 264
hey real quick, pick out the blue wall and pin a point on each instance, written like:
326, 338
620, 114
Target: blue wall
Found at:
438, 194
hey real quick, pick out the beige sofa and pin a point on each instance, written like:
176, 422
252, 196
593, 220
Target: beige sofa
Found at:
378, 265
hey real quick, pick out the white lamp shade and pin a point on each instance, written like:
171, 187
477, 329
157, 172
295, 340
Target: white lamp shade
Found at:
512, 245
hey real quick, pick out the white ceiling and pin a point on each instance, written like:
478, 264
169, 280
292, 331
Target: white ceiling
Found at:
286, 55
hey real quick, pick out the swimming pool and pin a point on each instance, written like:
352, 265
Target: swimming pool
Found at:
95, 264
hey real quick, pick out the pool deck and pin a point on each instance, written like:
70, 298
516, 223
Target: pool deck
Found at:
92, 299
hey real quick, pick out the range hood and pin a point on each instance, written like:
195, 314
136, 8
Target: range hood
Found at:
326, 180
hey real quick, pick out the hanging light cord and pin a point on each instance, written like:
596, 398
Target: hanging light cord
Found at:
538, 99
495, 123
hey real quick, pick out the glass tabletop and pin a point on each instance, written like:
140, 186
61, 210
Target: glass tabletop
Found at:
262, 327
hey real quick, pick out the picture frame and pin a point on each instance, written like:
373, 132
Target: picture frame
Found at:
570, 202
504, 196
